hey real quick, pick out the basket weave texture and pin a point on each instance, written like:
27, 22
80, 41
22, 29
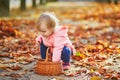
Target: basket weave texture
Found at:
46, 67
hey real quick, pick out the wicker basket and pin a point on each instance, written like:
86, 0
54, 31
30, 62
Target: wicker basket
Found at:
46, 67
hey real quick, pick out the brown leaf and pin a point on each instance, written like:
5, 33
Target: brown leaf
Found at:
16, 67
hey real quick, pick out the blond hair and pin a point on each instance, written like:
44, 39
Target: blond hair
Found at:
49, 17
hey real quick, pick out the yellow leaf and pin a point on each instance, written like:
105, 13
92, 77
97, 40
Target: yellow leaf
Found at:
95, 78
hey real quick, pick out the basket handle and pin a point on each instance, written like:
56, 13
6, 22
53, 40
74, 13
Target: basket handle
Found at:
47, 55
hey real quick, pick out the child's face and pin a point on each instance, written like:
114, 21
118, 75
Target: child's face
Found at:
44, 31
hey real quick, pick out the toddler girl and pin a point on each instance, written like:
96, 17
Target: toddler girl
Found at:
54, 37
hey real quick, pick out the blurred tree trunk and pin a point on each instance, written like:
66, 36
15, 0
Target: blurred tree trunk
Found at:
98, 0
116, 1
43, 1
33, 3
53, 0
23, 5
4, 8
109, 1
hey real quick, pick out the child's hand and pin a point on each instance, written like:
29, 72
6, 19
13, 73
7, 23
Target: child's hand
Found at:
38, 40
74, 52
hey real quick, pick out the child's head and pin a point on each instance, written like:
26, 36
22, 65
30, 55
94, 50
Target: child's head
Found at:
46, 23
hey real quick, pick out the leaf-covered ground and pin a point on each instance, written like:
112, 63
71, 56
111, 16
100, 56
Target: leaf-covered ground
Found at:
94, 30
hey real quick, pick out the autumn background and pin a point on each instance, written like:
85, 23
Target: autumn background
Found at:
94, 29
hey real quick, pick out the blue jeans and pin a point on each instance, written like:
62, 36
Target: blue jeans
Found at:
65, 56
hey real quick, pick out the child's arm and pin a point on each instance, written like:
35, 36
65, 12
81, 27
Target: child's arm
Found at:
38, 39
73, 50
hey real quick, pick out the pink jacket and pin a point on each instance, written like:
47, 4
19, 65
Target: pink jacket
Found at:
57, 41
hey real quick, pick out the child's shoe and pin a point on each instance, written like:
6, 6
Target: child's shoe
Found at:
66, 66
